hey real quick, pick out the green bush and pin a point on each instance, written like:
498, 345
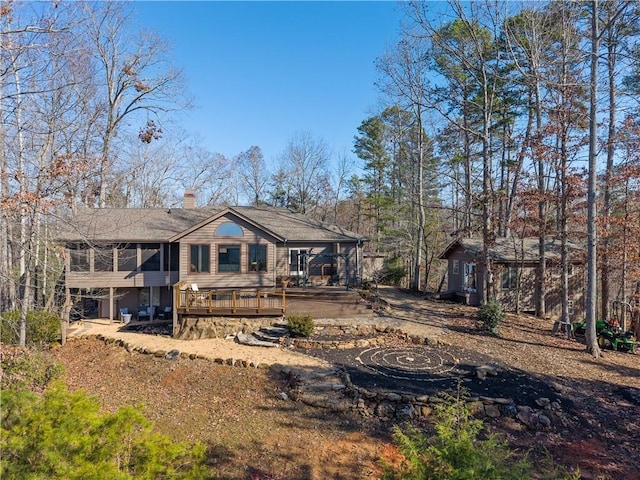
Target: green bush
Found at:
300, 325
42, 327
490, 314
393, 272
64, 435
455, 452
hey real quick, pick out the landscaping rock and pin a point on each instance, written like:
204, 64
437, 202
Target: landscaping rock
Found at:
172, 355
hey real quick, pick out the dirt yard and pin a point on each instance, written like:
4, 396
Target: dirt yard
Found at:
254, 434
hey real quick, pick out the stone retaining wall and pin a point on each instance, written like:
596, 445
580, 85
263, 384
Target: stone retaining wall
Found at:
196, 328
345, 396
373, 336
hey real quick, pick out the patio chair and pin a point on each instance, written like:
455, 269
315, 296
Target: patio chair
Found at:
166, 313
143, 313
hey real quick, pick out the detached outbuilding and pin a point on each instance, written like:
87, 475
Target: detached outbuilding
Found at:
514, 265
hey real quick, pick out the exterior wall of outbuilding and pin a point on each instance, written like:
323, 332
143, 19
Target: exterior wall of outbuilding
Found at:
523, 297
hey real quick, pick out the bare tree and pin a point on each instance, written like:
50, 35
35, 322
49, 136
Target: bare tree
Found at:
254, 177
305, 160
135, 79
342, 173
209, 174
36, 103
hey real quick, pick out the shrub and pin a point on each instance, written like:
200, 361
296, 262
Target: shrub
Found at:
22, 368
64, 435
392, 272
490, 314
300, 325
455, 452
42, 327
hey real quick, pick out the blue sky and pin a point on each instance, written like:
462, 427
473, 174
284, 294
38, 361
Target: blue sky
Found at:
261, 71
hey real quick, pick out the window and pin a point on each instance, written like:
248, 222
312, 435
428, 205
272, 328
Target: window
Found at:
228, 229
127, 258
469, 278
570, 306
510, 277
257, 258
228, 258
199, 258
151, 257
456, 267
103, 258
79, 258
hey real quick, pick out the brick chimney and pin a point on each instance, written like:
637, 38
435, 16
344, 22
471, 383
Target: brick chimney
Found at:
189, 199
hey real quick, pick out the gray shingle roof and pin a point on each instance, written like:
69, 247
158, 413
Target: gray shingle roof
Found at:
295, 226
161, 224
514, 249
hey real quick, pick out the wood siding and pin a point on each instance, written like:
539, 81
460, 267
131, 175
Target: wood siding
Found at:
120, 279
524, 296
321, 260
521, 298
228, 280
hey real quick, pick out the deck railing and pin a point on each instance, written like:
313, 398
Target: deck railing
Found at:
213, 302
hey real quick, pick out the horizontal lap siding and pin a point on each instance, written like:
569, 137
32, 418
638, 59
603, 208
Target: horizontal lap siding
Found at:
525, 297
242, 279
455, 279
119, 279
315, 261
576, 294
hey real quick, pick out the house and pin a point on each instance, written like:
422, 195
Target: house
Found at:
204, 261
514, 264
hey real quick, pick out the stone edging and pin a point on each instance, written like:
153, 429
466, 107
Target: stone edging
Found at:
175, 354
334, 390
377, 335
345, 396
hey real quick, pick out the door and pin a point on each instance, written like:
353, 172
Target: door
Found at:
298, 262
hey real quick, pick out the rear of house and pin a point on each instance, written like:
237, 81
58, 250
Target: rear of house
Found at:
139, 262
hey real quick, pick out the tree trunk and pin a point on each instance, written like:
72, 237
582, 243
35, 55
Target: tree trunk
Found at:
605, 266
421, 213
591, 294
542, 267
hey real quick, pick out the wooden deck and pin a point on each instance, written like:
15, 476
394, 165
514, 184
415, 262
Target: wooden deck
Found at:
230, 302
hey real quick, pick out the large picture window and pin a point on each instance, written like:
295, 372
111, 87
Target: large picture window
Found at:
151, 257
257, 258
127, 258
79, 258
228, 258
199, 258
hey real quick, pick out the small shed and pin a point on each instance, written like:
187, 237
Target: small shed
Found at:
514, 265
